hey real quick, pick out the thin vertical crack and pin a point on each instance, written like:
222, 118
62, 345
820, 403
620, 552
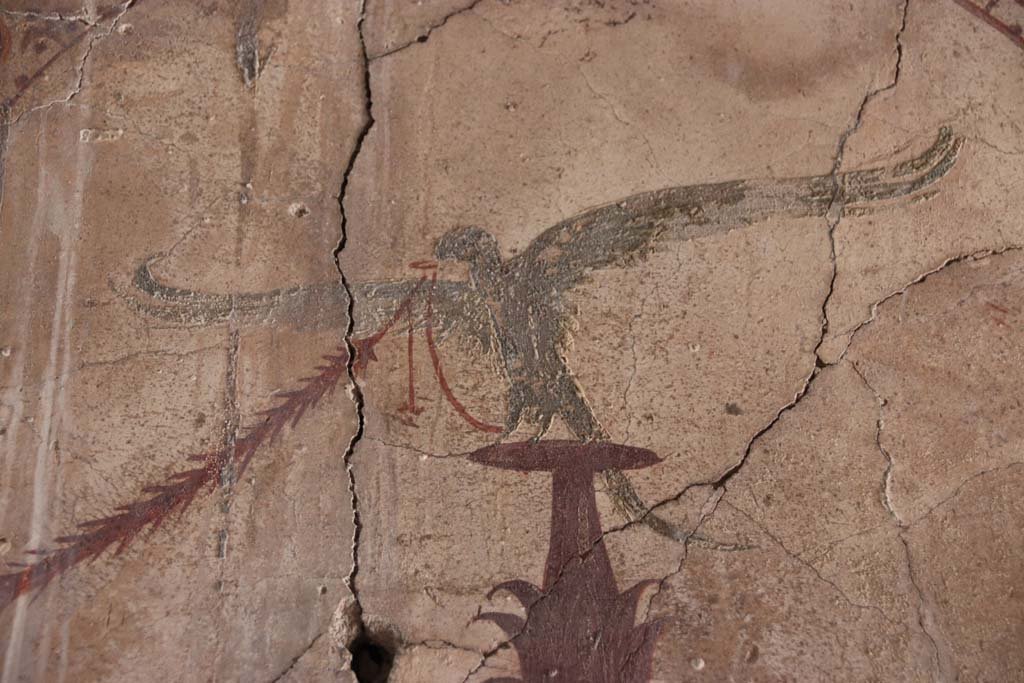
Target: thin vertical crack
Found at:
886, 485
925, 613
926, 617
834, 215
354, 389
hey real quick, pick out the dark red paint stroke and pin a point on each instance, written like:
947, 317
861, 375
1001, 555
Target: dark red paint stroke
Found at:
5, 42
364, 351
1011, 32
176, 493
75, 40
446, 389
364, 347
578, 625
410, 404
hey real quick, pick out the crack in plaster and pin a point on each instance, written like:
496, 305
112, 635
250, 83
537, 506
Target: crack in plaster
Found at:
421, 453
956, 492
691, 536
978, 255
886, 484
926, 618
80, 80
708, 510
355, 391
606, 99
441, 644
719, 485
836, 208
296, 658
425, 36
804, 562
885, 492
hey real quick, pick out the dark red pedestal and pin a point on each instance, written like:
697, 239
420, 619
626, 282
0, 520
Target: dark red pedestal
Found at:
578, 626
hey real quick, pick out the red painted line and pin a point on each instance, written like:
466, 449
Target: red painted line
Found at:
158, 502
410, 405
435, 359
5, 41
364, 346
1013, 33
110, 12
998, 308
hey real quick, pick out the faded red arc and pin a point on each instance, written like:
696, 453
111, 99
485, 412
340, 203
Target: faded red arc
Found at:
439, 372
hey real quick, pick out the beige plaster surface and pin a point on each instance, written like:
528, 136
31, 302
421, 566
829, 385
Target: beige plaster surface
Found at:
200, 201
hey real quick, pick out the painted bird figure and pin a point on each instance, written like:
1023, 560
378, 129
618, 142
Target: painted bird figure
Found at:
518, 306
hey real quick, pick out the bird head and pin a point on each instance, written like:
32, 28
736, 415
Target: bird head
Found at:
471, 245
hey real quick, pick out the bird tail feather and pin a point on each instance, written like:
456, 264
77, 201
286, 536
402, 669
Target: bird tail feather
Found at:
304, 305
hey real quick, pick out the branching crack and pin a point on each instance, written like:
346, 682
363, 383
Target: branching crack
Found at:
925, 616
836, 207
80, 71
706, 513
953, 260
296, 658
691, 536
959, 489
834, 216
425, 35
886, 486
803, 561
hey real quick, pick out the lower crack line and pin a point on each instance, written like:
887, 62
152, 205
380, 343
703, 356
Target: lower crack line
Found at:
296, 658
834, 216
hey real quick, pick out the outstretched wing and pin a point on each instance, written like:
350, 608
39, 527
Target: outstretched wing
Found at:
628, 230
454, 306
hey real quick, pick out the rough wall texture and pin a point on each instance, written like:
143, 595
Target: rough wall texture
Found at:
318, 363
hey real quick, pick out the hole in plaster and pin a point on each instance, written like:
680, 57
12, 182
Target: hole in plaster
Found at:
298, 210
371, 659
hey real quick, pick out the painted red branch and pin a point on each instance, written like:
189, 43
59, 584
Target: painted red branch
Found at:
23, 83
1013, 32
174, 495
364, 346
